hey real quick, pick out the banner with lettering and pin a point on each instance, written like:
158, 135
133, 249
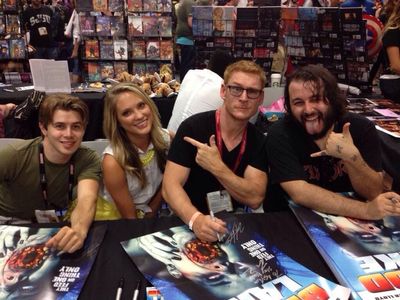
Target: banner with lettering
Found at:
244, 266
30, 270
363, 255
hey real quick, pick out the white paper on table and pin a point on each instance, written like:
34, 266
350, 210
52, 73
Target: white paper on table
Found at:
50, 76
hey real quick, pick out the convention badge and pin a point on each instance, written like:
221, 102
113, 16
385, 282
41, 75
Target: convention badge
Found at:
42, 30
219, 200
46, 216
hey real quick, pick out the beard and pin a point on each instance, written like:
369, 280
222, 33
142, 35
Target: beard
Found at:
328, 120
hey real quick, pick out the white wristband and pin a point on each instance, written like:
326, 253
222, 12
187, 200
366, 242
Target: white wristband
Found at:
193, 218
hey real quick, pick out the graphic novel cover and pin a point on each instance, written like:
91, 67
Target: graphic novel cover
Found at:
2, 23
93, 71
88, 26
121, 49
138, 49
139, 68
150, 25
244, 266
149, 5
92, 49
120, 66
135, 26
117, 26
165, 26
30, 270
363, 255
135, 5
4, 49
12, 24
166, 50
106, 49
100, 5
153, 49
164, 5
106, 70
83, 6
103, 26
10, 5
116, 5
17, 48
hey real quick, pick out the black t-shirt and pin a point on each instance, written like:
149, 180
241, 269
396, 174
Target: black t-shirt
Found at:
38, 22
289, 148
390, 38
200, 182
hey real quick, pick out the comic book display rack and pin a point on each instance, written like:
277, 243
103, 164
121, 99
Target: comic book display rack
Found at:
136, 38
334, 37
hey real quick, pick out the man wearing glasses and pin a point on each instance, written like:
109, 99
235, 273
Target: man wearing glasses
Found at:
217, 159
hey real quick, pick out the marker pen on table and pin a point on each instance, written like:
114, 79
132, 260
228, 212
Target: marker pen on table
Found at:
213, 218
119, 290
136, 292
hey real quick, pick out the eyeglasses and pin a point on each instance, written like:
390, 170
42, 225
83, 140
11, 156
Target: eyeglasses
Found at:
237, 91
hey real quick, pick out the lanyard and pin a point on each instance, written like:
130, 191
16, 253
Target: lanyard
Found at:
43, 179
219, 140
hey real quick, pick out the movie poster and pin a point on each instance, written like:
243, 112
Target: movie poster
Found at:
244, 266
363, 255
30, 270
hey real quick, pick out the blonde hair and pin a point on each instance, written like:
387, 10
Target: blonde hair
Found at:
394, 18
245, 66
124, 152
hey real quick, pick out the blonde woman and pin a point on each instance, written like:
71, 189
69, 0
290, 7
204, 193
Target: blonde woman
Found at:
134, 162
390, 80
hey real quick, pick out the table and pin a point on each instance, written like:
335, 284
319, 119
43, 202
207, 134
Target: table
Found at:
94, 101
112, 262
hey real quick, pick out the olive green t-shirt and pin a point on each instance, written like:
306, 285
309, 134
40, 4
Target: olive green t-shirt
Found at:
20, 190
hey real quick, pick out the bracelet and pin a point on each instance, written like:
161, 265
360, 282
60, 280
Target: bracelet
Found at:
193, 218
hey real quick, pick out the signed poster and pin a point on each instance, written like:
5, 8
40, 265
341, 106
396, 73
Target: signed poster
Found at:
244, 266
363, 255
30, 270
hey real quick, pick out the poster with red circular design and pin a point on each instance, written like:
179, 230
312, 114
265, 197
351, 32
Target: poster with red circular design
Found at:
374, 29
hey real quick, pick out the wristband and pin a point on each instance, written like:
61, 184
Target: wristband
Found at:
193, 218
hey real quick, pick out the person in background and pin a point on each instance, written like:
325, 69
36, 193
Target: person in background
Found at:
4, 112
184, 35
200, 89
37, 22
389, 82
39, 178
134, 162
319, 150
217, 155
73, 31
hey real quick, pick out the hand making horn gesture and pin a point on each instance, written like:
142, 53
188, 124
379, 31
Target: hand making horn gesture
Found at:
207, 155
339, 145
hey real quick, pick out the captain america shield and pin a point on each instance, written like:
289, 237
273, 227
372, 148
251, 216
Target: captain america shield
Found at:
374, 29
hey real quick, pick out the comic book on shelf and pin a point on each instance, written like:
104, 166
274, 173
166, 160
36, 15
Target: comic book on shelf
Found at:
149, 5
106, 49
120, 66
223, 21
166, 50
106, 70
363, 255
103, 26
117, 26
93, 71
2, 23
121, 49
88, 25
165, 26
17, 49
10, 5
135, 26
135, 5
139, 68
202, 21
164, 5
138, 49
100, 5
244, 265
35, 271
92, 49
153, 49
83, 6
4, 49
150, 25
13, 24
116, 5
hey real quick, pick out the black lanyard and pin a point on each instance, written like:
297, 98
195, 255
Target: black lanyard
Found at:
43, 179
